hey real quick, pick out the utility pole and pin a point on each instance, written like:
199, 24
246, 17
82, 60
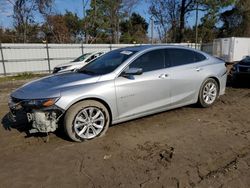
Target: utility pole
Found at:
48, 57
2, 57
152, 30
196, 25
118, 29
84, 4
84, 8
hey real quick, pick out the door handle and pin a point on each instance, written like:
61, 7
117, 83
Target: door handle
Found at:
198, 69
163, 76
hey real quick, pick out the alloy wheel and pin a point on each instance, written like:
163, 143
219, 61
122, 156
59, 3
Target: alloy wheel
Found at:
209, 93
89, 122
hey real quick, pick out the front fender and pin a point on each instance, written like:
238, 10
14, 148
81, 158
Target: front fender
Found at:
103, 91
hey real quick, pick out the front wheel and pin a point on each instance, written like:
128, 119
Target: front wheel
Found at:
208, 93
86, 120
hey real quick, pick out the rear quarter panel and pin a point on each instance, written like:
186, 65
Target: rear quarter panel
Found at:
216, 68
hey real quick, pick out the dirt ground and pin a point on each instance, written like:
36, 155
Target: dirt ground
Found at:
185, 147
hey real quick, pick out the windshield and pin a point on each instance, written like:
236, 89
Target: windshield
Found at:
107, 62
246, 61
82, 57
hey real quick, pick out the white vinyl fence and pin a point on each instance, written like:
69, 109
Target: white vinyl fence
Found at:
208, 48
19, 58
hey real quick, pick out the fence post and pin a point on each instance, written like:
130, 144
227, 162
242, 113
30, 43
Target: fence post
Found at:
4, 69
82, 48
48, 58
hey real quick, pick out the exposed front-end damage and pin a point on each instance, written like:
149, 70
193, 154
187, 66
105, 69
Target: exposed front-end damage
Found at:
43, 114
44, 121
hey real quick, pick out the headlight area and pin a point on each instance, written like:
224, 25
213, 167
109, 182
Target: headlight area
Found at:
58, 69
43, 114
39, 103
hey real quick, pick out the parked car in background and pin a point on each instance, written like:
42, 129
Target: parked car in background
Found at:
241, 69
77, 63
121, 85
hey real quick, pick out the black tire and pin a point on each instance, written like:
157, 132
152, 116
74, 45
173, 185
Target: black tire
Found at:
75, 109
201, 101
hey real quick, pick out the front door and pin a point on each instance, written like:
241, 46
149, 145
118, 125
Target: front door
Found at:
142, 94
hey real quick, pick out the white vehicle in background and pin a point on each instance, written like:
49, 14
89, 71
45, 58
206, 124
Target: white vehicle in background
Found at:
77, 63
231, 50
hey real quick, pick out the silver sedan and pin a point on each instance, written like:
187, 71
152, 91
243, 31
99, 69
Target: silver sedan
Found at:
121, 85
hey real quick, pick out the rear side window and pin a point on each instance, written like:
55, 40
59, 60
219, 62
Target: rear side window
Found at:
199, 57
183, 56
150, 61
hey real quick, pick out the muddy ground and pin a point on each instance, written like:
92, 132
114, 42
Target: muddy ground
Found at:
186, 147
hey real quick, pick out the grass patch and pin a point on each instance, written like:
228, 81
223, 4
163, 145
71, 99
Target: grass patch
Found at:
21, 76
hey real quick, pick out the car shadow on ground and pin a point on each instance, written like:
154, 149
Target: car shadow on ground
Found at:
22, 125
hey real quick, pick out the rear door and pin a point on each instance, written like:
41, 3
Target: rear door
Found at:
144, 93
186, 73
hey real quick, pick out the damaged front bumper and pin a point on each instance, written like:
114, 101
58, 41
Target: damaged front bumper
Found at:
43, 119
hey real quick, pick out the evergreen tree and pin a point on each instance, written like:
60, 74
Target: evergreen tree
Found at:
134, 29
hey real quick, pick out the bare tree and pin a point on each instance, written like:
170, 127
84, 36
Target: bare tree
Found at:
161, 11
129, 5
166, 16
23, 15
171, 15
186, 6
44, 6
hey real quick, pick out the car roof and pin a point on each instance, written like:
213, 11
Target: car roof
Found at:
144, 47
162, 46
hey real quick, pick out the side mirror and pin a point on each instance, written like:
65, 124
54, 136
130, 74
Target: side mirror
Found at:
132, 71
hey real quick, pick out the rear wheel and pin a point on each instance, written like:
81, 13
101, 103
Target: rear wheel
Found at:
208, 93
86, 120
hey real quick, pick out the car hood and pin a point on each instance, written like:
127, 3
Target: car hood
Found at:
71, 64
51, 86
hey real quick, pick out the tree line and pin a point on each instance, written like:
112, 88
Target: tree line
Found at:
115, 21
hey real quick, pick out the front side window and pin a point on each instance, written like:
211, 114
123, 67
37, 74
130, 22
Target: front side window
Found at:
90, 58
81, 58
199, 57
150, 61
183, 56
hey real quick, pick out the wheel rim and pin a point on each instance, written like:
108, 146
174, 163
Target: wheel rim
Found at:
89, 122
209, 93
